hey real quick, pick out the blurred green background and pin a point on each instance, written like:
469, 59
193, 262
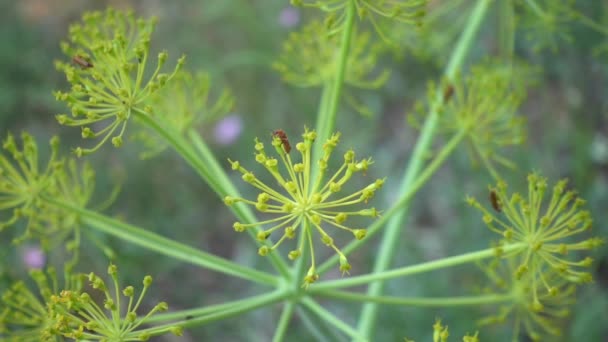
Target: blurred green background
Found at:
236, 41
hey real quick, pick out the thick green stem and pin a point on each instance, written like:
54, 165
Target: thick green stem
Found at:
420, 302
327, 120
424, 177
414, 269
204, 311
279, 333
209, 170
331, 319
254, 303
391, 236
162, 245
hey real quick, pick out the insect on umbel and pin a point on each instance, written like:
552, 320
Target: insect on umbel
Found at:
448, 92
279, 133
82, 62
495, 201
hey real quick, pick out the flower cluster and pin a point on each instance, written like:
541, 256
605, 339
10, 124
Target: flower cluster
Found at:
546, 261
109, 55
25, 316
410, 12
73, 313
25, 188
306, 199
184, 103
23, 182
308, 60
537, 314
483, 104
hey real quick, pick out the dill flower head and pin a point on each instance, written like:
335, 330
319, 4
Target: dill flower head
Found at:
84, 319
184, 103
483, 105
548, 232
25, 185
25, 315
410, 12
545, 23
308, 58
538, 314
305, 200
109, 74
23, 182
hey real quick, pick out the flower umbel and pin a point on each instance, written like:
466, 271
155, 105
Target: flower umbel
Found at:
405, 11
484, 105
23, 182
25, 316
548, 232
25, 186
108, 74
308, 60
84, 319
535, 313
305, 200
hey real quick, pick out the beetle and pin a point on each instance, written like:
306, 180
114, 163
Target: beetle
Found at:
279, 133
81, 61
448, 92
495, 201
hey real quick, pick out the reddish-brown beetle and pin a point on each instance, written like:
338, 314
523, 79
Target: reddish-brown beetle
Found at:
279, 133
495, 201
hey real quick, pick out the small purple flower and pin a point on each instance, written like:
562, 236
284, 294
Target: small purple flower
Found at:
33, 257
228, 129
289, 17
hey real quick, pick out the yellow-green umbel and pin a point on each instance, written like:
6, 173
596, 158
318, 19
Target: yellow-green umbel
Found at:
306, 199
115, 81
84, 319
549, 233
538, 314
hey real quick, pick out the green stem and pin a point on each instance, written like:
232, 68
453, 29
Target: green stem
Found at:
211, 173
391, 236
298, 272
254, 303
487, 163
331, 319
162, 245
414, 269
226, 187
314, 327
422, 179
327, 121
203, 311
420, 302
279, 333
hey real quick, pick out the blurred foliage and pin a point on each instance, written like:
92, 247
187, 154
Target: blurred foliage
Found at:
236, 42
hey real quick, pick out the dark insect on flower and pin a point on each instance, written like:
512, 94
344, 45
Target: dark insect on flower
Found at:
279, 133
82, 62
495, 201
448, 92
